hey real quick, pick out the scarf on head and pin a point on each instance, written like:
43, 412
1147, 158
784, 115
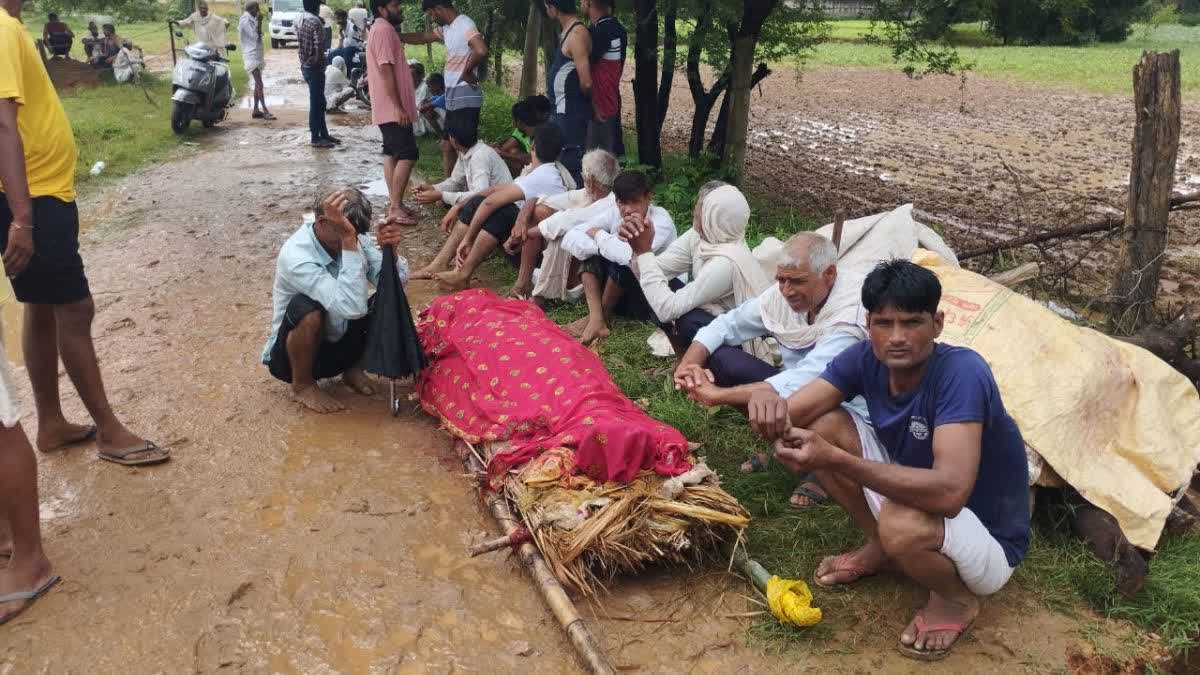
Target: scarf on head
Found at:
842, 310
724, 216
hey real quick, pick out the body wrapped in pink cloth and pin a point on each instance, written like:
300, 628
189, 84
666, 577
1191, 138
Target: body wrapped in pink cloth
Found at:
500, 370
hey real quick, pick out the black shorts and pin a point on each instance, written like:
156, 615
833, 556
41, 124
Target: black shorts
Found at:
399, 142
468, 116
333, 358
499, 224
55, 273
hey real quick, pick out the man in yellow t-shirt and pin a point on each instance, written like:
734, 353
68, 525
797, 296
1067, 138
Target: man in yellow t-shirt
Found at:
39, 234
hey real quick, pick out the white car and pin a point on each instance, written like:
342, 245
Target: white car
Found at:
285, 14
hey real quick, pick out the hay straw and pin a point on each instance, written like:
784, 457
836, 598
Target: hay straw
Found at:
637, 529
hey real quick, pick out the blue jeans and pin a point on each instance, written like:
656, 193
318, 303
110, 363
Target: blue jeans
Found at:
347, 53
315, 77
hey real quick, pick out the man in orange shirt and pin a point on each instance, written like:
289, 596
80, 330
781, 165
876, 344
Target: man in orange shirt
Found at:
39, 234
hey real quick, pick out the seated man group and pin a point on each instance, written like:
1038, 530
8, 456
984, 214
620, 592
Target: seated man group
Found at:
908, 435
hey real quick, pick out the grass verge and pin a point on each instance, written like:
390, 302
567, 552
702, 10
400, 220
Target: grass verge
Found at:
123, 125
1059, 573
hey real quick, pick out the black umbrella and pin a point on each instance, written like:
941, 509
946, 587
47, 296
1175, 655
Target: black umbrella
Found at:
393, 350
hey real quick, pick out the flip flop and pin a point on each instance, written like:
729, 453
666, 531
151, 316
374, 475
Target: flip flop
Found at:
815, 498
88, 436
857, 572
29, 597
923, 628
405, 219
757, 465
122, 456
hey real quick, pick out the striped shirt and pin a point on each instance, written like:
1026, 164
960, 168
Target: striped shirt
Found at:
457, 36
310, 33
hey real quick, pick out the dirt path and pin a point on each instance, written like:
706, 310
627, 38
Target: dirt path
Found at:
280, 541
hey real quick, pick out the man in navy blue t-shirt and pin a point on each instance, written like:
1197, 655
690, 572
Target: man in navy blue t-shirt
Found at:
937, 480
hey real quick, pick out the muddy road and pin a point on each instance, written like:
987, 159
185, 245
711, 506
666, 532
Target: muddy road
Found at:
286, 542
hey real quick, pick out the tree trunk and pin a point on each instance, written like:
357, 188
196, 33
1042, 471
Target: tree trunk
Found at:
498, 67
489, 33
1151, 176
720, 137
428, 47
670, 44
754, 15
702, 100
645, 83
529, 61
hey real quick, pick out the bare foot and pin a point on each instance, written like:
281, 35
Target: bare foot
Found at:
452, 281
847, 568
426, 272
593, 331
357, 380
58, 437
955, 615
317, 400
27, 576
575, 328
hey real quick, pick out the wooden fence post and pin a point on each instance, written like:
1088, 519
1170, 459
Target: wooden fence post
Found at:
1151, 177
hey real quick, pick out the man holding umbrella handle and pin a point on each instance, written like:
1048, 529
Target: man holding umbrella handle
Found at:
323, 308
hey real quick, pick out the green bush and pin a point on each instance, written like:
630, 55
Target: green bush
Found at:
1065, 22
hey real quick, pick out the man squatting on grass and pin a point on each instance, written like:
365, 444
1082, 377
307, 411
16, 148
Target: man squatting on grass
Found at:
322, 303
938, 484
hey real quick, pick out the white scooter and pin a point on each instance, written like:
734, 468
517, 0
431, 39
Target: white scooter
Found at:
200, 85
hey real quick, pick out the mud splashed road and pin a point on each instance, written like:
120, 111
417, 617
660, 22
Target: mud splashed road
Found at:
279, 541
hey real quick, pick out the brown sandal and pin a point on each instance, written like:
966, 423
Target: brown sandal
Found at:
151, 454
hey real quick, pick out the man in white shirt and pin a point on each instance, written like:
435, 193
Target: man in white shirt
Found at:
209, 28
321, 299
487, 219
478, 168
813, 313
465, 50
608, 284
540, 236
250, 35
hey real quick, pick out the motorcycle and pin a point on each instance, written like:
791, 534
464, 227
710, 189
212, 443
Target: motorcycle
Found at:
200, 86
358, 79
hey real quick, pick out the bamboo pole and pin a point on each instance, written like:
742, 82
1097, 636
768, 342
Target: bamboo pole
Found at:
552, 592
514, 538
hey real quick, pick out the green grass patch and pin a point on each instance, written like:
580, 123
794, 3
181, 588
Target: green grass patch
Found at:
1097, 68
124, 125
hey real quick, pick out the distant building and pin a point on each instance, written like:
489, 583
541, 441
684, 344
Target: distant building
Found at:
847, 9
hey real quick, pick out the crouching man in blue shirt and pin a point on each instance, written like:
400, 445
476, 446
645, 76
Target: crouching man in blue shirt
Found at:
938, 480
321, 298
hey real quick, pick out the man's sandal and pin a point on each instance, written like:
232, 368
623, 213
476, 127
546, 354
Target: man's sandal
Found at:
139, 455
29, 597
923, 628
757, 464
805, 489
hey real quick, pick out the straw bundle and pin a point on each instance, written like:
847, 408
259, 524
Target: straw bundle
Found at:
590, 532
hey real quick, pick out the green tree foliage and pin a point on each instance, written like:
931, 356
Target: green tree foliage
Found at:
1035, 22
126, 10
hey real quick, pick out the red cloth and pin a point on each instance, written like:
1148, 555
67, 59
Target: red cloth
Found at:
500, 370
